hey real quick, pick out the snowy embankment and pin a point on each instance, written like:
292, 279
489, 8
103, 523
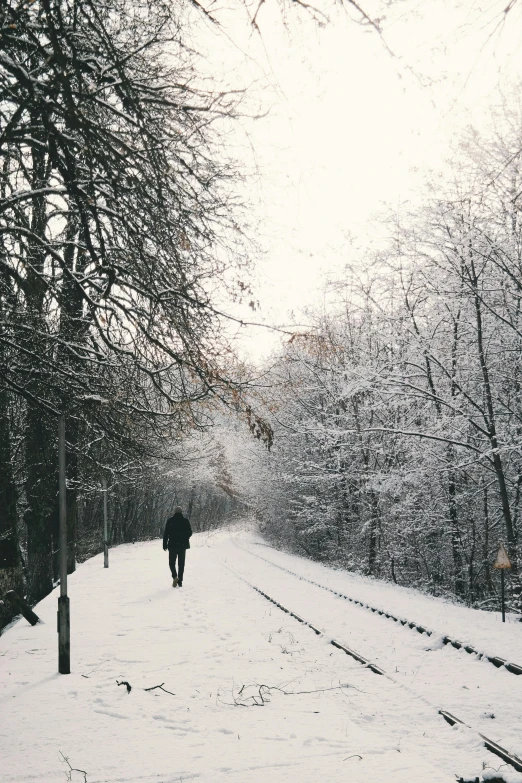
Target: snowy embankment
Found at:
471, 688
213, 644
484, 630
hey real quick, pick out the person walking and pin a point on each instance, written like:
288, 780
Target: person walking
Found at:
176, 540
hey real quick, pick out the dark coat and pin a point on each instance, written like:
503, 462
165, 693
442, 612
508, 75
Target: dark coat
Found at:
177, 533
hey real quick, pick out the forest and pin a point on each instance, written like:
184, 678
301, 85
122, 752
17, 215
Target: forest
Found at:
397, 416
119, 233
383, 438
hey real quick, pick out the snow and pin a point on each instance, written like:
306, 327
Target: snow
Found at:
483, 630
450, 678
214, 644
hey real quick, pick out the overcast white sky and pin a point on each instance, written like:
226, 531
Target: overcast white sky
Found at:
351, 126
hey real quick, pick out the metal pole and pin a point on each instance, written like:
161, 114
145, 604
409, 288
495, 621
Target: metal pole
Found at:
64, 623
502, 591
105, 533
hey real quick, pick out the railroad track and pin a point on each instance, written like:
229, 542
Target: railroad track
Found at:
509, 758
498, 662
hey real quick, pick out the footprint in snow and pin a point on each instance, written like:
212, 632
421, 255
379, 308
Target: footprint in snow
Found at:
112, 714
314, 739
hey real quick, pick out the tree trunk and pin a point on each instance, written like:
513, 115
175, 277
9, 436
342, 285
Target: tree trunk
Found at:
374, 535
11, 577
8, 518
492, 431
73, 332
41, 516
40, 455
456, 547
485, 548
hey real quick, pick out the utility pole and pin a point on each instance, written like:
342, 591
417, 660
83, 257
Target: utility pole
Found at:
64, 620
105, 533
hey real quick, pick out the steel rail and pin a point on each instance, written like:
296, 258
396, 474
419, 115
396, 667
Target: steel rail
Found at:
491, 745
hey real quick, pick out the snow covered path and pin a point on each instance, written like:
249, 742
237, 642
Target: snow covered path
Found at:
213, 644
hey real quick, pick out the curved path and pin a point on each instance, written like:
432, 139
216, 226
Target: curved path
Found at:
248, 693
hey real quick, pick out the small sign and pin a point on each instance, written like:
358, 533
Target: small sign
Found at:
502, 560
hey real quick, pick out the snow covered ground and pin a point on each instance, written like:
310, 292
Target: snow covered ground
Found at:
487, 698
213, 644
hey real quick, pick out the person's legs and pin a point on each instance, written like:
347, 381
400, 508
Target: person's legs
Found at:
181, 564
172, 562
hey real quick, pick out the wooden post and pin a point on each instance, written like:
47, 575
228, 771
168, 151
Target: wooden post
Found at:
105, 533
22, 606
64, 619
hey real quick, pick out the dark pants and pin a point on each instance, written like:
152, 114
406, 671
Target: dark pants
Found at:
179, 553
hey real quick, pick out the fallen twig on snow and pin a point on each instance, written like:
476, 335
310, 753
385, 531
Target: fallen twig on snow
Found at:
73, 769
93, 670
263, 693
160, 687
154, 687
257, 700
322, 690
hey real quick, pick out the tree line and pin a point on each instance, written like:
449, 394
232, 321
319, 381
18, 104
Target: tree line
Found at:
398, 414
120, 228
